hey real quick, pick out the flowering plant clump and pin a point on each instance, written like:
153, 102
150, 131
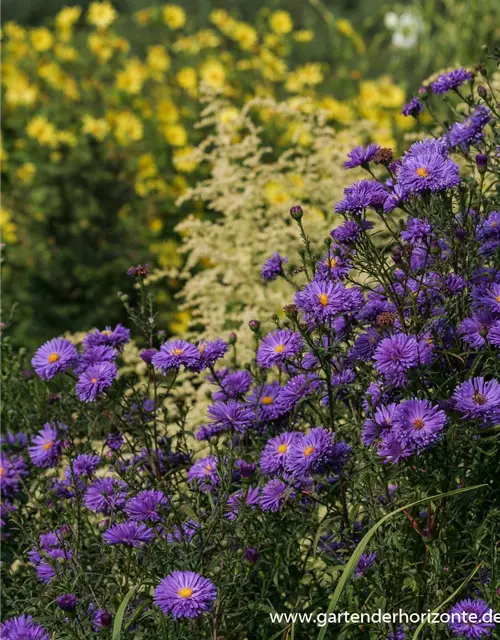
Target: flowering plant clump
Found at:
351, 465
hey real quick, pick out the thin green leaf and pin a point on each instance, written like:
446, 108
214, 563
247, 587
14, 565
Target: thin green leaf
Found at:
354, 559
117, 626
440, 606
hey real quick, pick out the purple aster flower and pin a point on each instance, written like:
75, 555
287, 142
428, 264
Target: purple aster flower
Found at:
412, 108
322, 299
360, 195
94, 380
274, 495
14, 440
478, 399
185, 594
251, 554
451, 80
273, 267
129, 533
396, 197
365, 563
334, 266
45, 572
53, 357
474, 330
114, 441
350, 231
278, 347
361, 156
310, 454
470, 131
83, 465
382, 420
392, 449
176, 353
67, 602
185, 533
249, 496
94, 355
489, 296
276, 451
454, 284
101, 618
45, 450
364, 346
243, 469
105, 495
23, 628
419, 423
233, 384
12, 470
138, 271
471, 619
265, 401
146, 505
211, 351
146, 355
108, 337
417, 230
204, 473
395, 355
426, 167
231, 415
494, 334
490, 228
294, 391
399, 634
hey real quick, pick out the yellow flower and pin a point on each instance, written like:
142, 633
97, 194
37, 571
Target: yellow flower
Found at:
126, 126
304, 35
185, 160
14, 31
275, 193
42, 130
98, 128
120, 44
68, 138
336, 110
212, 72
167, 112
100, 47
26, 172
156, 225
345, 27
65, 52
228, 115
158, 59
146, 166
180, 323
245, 35
101, 15
281, 22
179, 186
67, 17
167, 253
132, 78
8, 227
219, 17
142, 17
19, 90
174, 16
403, 122
41, 39
186, 78
175, 134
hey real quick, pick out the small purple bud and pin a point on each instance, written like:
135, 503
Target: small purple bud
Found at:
147, 355
254, 325
67, 602
296, 212
232, 338
251, 555
481, 162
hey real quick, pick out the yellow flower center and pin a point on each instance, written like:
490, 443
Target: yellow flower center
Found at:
332, 263
323, 299
47, 446
176, 352
54, 357
479, 398
283, 448
308, 451
208, 468
494, 223
418, 423
267, 400
185, 592
3, 471
106, 332
498, 299
279, 348
93, 380
422, 172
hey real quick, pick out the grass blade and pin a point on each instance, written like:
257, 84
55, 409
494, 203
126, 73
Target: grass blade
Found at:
354, 559
117, 626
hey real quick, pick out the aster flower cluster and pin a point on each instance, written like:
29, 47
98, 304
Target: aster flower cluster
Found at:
372, 399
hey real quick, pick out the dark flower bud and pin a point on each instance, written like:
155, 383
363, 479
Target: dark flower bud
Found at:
397, 255
251, 555
460, 232
296, 212
232, 338
161, 333
481, 91
481, 162
67, 602
290, 310
254, 325
383, 156
387, 318
139, 271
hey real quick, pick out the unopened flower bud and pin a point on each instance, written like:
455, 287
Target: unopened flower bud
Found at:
254, 325
481, 162
296, 212
481, 91
232, 338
